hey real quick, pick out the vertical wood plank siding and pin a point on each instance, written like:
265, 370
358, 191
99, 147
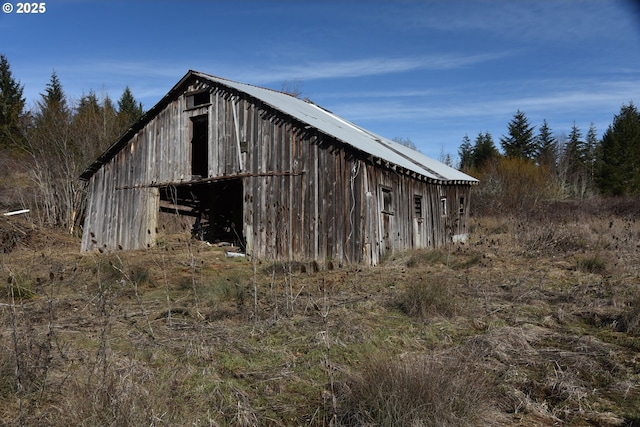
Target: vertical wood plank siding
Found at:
306, 195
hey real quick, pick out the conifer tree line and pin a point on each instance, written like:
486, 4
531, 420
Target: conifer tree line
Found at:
536, 164
52, 143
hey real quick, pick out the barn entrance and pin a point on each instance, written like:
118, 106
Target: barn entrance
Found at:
199, 146
225, 212
214, 209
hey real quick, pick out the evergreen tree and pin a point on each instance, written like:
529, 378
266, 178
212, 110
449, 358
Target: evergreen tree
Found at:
575, 165
447, 160
110, 130
54, 99
547, 147
484, 150
465, 152
574, 152
129, 110
94, 125
520, 142
618, 172
11, 105
107, 105
88, 104
591, 150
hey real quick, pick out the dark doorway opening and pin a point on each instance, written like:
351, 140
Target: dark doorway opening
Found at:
215, 209
225, 212
200, 146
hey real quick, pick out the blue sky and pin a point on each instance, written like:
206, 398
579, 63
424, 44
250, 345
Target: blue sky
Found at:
428, 71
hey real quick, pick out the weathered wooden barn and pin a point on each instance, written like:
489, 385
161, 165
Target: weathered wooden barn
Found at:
282, 177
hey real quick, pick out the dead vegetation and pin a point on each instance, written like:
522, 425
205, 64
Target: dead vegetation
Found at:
535, 321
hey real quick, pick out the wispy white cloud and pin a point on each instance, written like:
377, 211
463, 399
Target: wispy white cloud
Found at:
434, 124
578, 97
432, 121
151, 79
367, 67
385, 94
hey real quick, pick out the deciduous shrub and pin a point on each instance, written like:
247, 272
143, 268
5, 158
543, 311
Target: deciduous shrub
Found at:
510, 185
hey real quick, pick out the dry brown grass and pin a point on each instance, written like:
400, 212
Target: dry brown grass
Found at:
417, 390
430, 296
534, 321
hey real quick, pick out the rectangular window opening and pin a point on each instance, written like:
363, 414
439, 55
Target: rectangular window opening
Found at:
198, 99
443, 206
417, 206
461, 211
387, 200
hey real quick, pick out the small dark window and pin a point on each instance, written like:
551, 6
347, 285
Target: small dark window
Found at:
417, 206
443, 206
461, 211
198, 99
387, 200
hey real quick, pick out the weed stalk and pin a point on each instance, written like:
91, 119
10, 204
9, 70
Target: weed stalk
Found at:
134, 285
16, 347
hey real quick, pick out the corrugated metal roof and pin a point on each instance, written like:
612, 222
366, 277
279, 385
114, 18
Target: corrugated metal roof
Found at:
347, 132
314, 116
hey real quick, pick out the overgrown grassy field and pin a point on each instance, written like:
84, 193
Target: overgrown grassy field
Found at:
535, 321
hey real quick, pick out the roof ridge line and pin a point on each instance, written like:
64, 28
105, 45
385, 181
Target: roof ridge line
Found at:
383, 141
